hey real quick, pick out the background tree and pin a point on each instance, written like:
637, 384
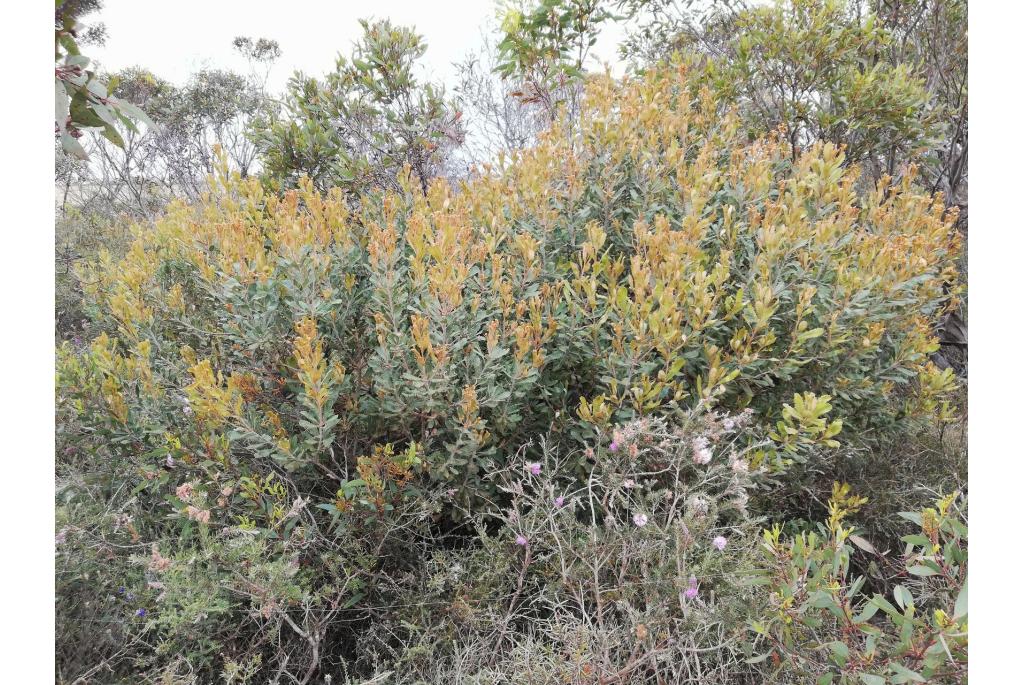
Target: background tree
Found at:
544, 48
820, 71
932, 35
357, 127
657, 28
885, 78
98, 199
497, 120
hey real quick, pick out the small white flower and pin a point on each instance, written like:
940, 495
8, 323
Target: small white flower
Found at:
701, 451
640, 520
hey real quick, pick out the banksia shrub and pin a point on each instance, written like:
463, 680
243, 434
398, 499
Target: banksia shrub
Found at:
287, 375
652, 262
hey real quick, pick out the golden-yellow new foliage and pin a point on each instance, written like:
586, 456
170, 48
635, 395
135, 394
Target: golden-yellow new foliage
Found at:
653, 259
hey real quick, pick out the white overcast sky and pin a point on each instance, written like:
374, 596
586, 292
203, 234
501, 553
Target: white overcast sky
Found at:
177, 39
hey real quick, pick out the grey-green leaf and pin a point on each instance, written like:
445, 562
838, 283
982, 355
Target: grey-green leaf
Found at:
72, 146
62, 104
960, 609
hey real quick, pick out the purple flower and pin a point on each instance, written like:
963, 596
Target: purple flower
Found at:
559, 501
614, 446
640, 520
120, 590
130, 597
534, 468
691, 591
170, 462
719, 543
141, 613
521, 540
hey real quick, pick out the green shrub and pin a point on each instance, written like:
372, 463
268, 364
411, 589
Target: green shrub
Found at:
825, 628
654, 268
291, 381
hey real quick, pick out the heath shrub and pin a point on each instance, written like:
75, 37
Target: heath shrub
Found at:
287, 376
653, 262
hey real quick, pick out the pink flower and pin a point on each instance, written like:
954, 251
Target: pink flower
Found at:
521, 541
534, 468
691, 591
629, 483
559, 501
158, 562
184, 492
719, 543
640, 520
701, 451
614, 446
